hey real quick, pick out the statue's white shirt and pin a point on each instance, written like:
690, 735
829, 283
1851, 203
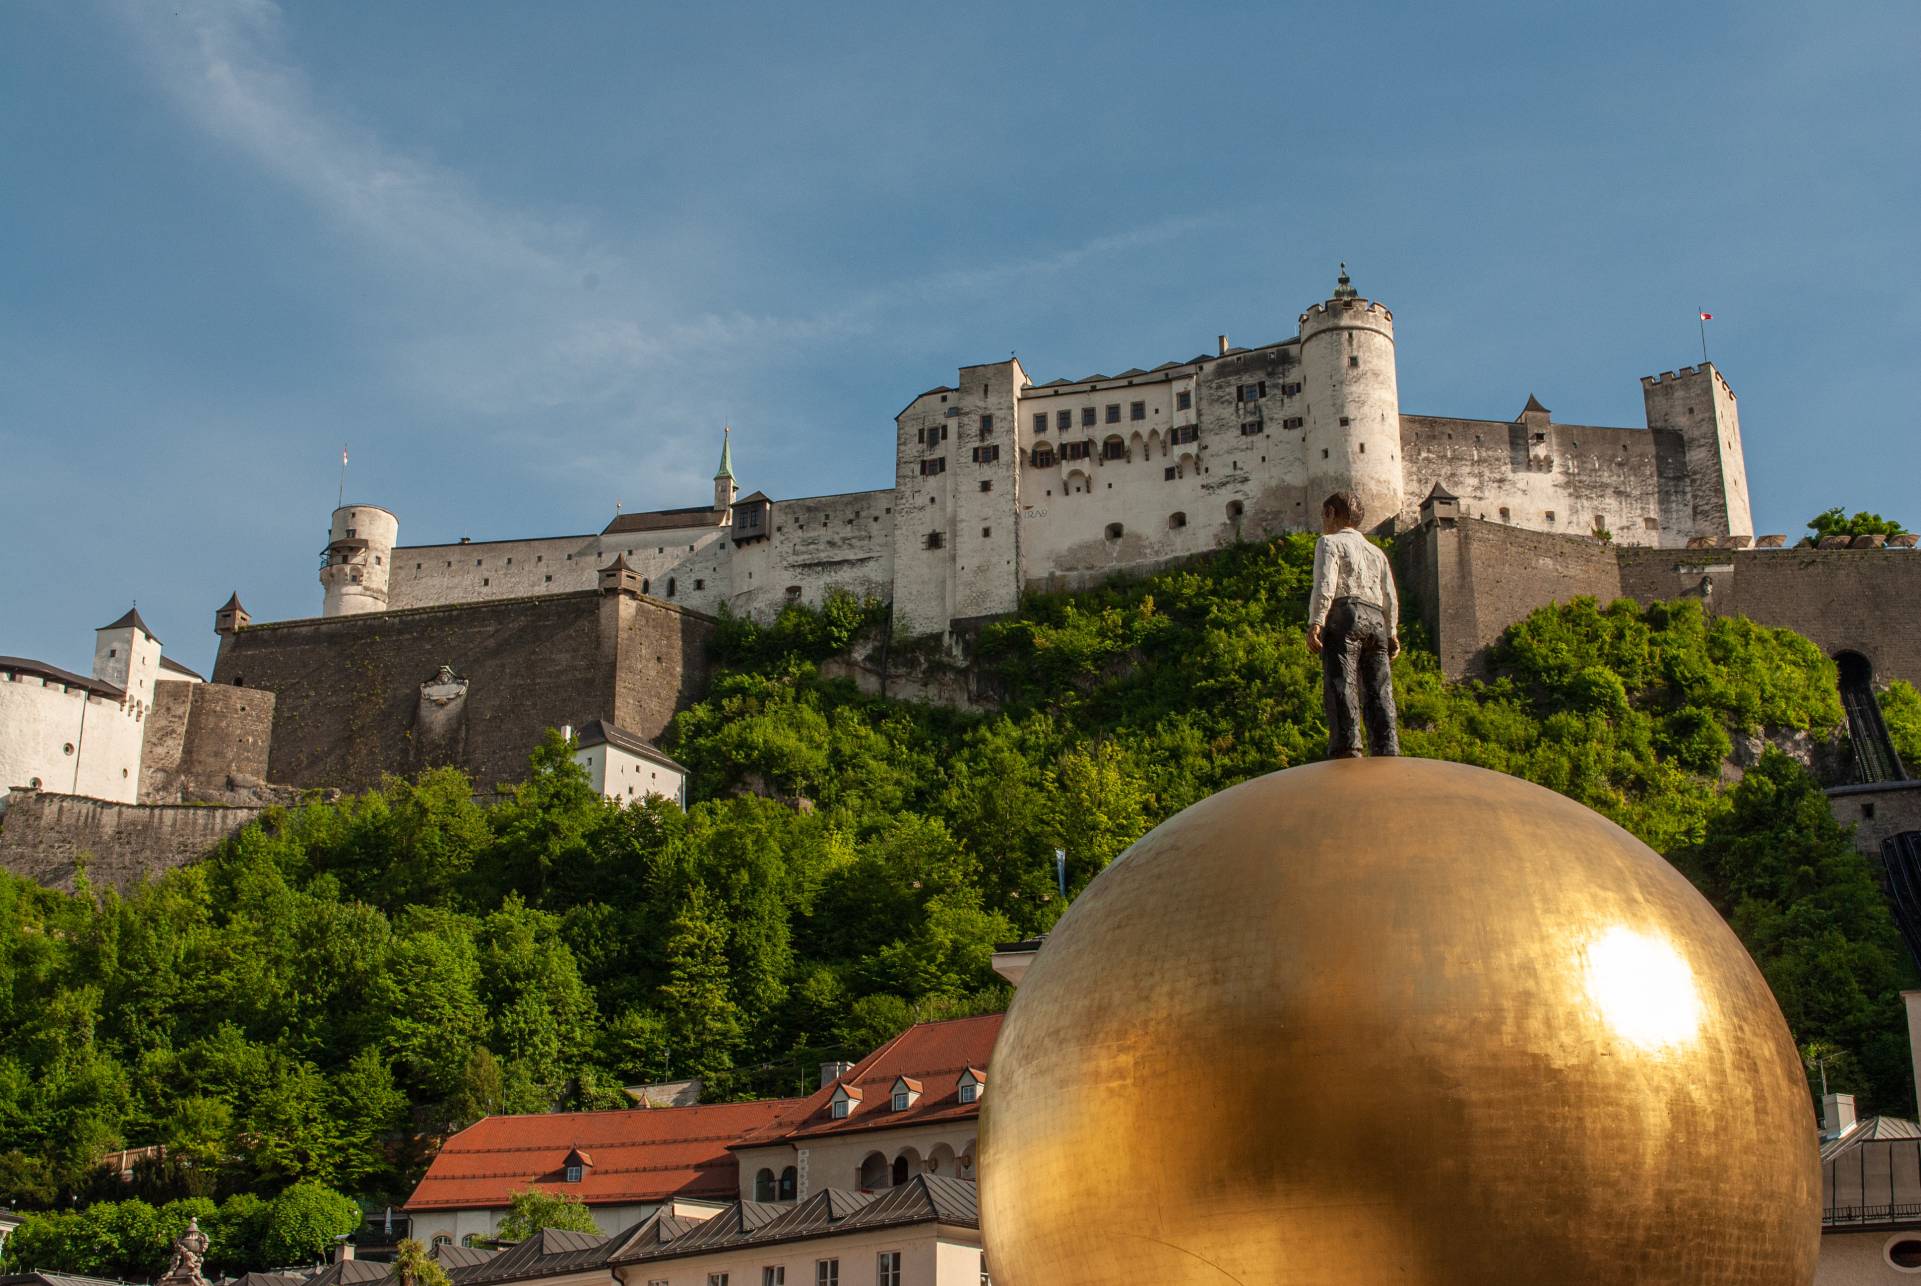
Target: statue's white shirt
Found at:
1347, 566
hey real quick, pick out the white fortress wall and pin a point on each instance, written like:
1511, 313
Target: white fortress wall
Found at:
818, 543
1541, 476
472, 571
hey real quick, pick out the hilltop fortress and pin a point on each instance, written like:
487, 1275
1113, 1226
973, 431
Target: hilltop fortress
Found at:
465, 653
1002, 484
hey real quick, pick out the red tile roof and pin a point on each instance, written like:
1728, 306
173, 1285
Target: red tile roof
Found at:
639, 1155
935, 1054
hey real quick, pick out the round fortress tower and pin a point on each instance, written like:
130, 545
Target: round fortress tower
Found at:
1353, 429
357, 560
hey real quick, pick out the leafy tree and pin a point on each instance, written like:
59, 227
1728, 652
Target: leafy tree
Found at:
303, 1222
1836, 522
703, 1021
413, 1266
529, 1210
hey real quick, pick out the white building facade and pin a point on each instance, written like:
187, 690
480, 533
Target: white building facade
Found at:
1002, 485
83, 734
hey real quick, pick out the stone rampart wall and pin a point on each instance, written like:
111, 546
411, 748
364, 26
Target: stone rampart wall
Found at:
48, 837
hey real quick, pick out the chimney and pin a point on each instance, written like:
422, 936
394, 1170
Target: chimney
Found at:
344, 1249
1223, 342
831, 1072
1837, 1114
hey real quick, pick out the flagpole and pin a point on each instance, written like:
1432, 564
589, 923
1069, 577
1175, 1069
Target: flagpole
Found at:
1702, 317
341, 503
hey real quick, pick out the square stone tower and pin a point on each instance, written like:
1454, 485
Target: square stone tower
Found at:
1696, 405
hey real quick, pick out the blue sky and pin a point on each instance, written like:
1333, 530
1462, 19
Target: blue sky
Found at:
525, 260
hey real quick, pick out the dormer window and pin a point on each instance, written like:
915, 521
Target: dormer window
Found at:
906, 1093
846, 1098
574, 1168
972, 1082
575, 1173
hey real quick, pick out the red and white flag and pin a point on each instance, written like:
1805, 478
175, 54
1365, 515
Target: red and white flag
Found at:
1707, 316
343, 450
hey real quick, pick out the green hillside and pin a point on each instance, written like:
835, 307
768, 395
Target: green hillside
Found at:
349, 977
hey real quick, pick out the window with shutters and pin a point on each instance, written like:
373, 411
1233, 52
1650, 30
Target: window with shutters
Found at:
1076, 450
1184, 433
1293, 422
987, 455
933, 465
1250, 427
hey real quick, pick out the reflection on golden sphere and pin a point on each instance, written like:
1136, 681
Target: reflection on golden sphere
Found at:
1395, 1020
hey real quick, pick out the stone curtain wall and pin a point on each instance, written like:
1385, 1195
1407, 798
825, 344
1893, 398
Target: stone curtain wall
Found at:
45, 837
1469, 580
1859, 600
348, 690
205, 741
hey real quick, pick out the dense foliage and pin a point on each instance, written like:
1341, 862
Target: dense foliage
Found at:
132, 1240
338, 986
530, 1210
1836, 522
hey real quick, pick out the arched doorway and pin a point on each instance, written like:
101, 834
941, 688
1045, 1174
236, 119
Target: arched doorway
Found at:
873, 1172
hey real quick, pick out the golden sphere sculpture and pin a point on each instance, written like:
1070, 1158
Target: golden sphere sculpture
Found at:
1395, 1021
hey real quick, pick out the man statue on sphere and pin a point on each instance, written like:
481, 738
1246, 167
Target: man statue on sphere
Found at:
1353, 622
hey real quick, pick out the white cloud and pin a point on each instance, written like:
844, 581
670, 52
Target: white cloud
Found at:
489, 304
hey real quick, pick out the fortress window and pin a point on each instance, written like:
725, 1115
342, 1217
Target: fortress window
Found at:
1290, 390
1344, 421
1113, 449
1250, 427
1170, 473
1183, 400
1504, 514
1184, 433
1089, 417
1175, 520
1076, 450
698, 584
1113, 412
550, 578
416, 566
986, 532
350, 530
986, 455
1292, 422
1234, 510
476, 562
1353, 360
486, 580
1251, 392
1323, 453
987, 484
1549, 515
1137, 410
646, 586
1063, 419
1043, 459
670, 587
1114, 530
1363, 448
933, 465
1040, 421
377, 560
936, 539
987, 425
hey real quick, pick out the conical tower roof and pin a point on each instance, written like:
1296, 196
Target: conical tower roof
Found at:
726, 454
132, 618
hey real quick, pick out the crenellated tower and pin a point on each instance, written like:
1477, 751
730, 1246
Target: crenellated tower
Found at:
357, 561
1353, 405
1696, 406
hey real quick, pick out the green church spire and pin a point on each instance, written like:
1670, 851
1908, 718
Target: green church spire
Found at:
726, 453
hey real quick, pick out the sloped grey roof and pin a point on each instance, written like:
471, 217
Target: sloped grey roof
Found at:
602, 732
350, 1272
41, 670
922, 1199
456, 1258
168, 663
1873, 1129
548, 1252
